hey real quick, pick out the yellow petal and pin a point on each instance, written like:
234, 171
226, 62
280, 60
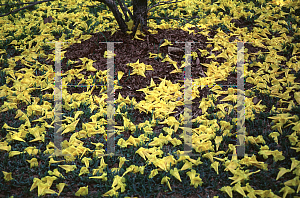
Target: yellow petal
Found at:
215, 166
286, 190
295, 163
175, 173
83, 191
7, 176
228, 190
237, 187
282, 172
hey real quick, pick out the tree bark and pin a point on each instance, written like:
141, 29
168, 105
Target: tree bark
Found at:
139, 15
125, 10
140, 12
113, 7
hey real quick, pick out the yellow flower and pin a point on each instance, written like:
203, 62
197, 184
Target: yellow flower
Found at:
293, 138
68, 168
153, 173
240, 175
152, 55
42, 188
138, 32
195, 179
141, 151
295, 163
122, 161
171, 121
274, 135
175, 174
119, 182
237, 187
120, 74
265, 152
32, 150
84, 170
282, 119
166, 43
293, 182
286, 190
129, 24
83, 191
36, 181
3, 145
228, 190
297, 96
86, 161
218, 140
167, 58
139, 68
89, 66
43, 185
111, 193
282, 172
209, 156
60, 187
52, 161
231, 165
49, 180
71, 127
103, 176
7, 176
187, 165
166, 180
33, 162
56, 173
13, 153
277, 155
215, 166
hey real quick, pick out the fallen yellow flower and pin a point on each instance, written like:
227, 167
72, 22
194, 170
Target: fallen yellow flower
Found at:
194, 177
60, 187
33, 162
83, 191
111, 193
282, 172
175, 173
215, 166
228, 190
52, 161
68, 168
237, 187
286, 190
56, 173
7, 176
84, 170
166, 43
166, 180
13, 153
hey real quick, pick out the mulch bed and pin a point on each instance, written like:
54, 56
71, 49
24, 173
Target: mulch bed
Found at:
131, 50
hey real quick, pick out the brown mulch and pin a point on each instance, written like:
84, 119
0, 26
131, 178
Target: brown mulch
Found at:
131, 50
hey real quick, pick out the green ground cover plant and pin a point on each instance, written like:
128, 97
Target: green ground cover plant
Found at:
149, 93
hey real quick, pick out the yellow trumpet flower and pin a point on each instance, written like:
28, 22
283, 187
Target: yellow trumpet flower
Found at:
7, 176
83, 191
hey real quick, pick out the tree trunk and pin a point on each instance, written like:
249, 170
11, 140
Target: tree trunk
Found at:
113, 7
140, 12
